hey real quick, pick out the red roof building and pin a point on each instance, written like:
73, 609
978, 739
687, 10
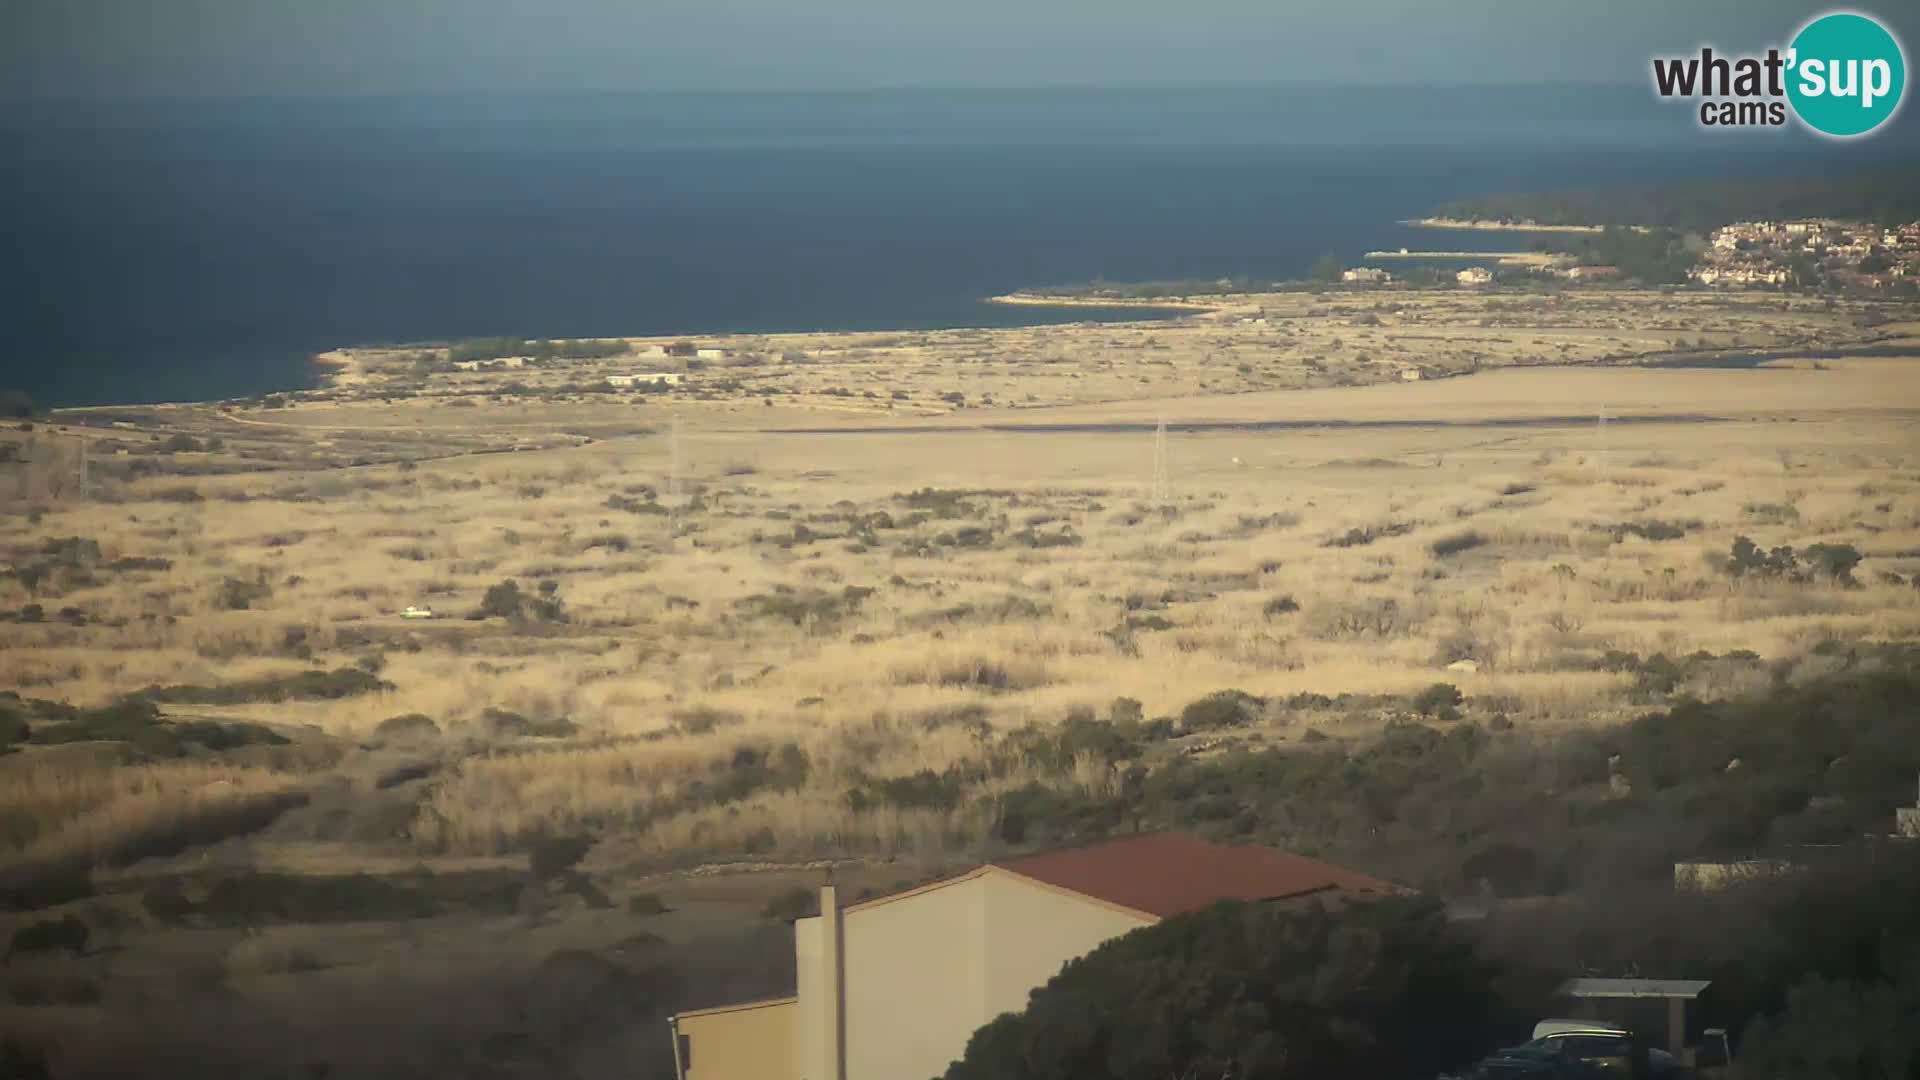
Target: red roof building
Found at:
894, 985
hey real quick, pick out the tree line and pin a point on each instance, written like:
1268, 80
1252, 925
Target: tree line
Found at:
496, 348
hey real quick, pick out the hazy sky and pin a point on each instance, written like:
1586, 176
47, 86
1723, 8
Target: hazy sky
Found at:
140, 48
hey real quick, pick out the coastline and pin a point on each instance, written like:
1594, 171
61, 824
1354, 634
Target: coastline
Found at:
1287, 339
1020, 299
1502, 258
1484, 225
344, 368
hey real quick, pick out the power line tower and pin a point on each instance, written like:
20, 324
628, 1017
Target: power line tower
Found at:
1162, 483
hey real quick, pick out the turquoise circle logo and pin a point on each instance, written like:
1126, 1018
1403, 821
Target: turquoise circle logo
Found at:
1847, 74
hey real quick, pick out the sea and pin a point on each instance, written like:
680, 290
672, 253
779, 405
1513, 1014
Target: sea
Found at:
178, 250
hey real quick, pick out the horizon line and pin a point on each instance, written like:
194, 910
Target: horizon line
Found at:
799, 91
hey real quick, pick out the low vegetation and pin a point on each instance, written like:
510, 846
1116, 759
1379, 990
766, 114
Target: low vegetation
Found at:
367, 677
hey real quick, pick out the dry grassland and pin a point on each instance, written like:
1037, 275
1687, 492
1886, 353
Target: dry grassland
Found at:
725, 660
1235, 344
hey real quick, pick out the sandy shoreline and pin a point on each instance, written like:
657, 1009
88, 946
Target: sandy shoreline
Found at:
1033, 300
1503, 258
344, 368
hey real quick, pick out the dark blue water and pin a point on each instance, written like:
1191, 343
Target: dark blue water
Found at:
199, 250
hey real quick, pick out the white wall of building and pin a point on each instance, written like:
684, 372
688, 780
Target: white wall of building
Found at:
926, 970
916, 981
1032, 931
811, 1046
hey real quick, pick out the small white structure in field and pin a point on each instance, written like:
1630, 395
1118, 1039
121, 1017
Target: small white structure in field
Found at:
1475, 275
711, 354
1468, 667
416, 612
1411, 374
665, 378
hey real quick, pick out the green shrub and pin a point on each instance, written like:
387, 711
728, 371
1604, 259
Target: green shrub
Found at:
49, 990
237, 594
1280, 605
925, 789
582, 886
137, 722
646, 904
1441, 700
45, 889
407, 726
131, 720
1221, 709
1647, 530
1831, 562
507, 601
749, 770
314, 684
166, 902
254, 899
1361, 537
637, 506
1383, 989
1508, 870
812, 606
703, 719
1818, 562
221, 821
1040, 815
794, 903
949, 502
1066, 537
13, 725
507, 724
1456, 543
404, 774
67, 933
552, 856
18, 1060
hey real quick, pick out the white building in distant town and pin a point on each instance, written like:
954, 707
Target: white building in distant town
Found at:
1366, 275
664, 378
489, 365
1475, 275
1740, 275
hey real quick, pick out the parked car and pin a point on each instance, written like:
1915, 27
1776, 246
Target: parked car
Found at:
1574, 1049
1529, 1063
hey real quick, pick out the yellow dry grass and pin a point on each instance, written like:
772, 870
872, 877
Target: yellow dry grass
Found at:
728, 625
84, 813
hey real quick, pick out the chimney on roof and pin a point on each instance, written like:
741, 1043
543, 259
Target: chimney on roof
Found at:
833, 978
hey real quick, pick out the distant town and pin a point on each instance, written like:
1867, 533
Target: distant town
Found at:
1846, 253
1802, 253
